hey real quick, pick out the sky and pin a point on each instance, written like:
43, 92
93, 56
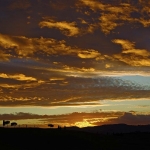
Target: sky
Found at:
75, 63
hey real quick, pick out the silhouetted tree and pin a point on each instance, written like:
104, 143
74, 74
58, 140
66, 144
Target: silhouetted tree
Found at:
6, 122
59, 127
13, 124
51, 125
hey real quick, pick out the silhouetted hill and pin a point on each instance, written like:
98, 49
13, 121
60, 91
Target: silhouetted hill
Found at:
114, 128
90, 138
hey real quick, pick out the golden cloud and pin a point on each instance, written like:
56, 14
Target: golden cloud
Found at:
138, 52
94, 5
110, 14
126, 45
57, 79
108, 65
22, 45
4, 56
8, 86
91, 28
146, 23
20, 77
107, 22
76, 70
89, 54
7, 42
69, 29
27, 47
133, 60
132, 56
113, 15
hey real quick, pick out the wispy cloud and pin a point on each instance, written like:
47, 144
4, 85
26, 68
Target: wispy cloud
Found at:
68, 28
20, 77
89, 54
30, 47
131, 55
114, 15
4, 56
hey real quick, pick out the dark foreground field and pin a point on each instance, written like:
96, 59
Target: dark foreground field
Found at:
53, 139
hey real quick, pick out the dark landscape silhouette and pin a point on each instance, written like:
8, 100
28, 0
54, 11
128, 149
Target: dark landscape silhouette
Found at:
109, 137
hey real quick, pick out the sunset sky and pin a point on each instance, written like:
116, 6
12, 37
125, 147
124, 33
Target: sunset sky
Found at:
75, 62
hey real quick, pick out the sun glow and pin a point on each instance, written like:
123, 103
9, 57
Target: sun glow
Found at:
82, 124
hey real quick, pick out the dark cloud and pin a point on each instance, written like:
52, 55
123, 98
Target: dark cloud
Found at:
133, 119
20, 4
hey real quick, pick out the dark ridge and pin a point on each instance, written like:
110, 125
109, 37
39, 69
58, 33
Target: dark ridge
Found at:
109, 137
114, 128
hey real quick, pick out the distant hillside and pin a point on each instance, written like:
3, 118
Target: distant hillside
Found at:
71, 139
114, 128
